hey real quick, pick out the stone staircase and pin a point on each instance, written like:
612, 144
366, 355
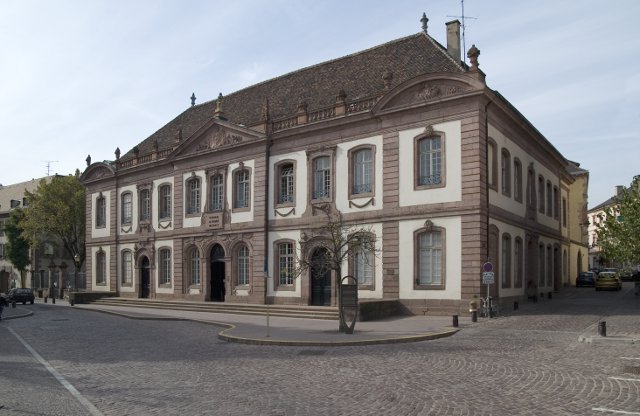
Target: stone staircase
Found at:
290, 311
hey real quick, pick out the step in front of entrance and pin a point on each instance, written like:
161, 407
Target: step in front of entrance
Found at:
291, 311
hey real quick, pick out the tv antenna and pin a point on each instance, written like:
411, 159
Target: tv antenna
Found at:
463, 17
49, 162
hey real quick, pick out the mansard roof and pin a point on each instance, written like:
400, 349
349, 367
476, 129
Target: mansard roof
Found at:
359, 75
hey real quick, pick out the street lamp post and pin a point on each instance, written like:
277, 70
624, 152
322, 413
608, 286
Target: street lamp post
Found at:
76, 260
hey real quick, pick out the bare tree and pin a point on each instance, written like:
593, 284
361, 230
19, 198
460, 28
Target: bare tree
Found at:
338, 241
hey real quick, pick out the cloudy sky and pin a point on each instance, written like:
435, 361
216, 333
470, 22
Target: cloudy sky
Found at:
82, 77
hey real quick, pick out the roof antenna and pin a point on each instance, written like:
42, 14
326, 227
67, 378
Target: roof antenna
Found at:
49, 162
463, 17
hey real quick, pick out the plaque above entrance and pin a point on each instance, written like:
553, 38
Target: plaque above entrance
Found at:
214, 221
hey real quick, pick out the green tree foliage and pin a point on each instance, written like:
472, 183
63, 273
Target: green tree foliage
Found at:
17, 248
619, 229
57, 209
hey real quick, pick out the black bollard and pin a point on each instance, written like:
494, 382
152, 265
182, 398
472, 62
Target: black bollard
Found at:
602, 328
549, 295
474, 316
455, 321
45, 299
541, 295
515, 306
53, 299
13, 304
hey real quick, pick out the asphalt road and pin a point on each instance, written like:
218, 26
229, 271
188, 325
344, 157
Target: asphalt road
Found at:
66, 361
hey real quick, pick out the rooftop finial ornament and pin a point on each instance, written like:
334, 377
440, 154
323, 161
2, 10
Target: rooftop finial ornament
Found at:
193, 99
473, 57
424, 21
218, 111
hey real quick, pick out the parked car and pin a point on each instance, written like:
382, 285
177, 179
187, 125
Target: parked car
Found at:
608, 281
586, 279
21, 294
626, 275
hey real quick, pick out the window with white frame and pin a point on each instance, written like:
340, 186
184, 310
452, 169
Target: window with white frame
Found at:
286, 180
541, 268
541, 194
322, 177
164, 256
286, 257
362, 168
429, 161
127, 208
101, 268
492, 163
519, 262
517, 180
549, 200
101, 212
217, 193
194, 266
242, 188
193, 196
164, 200
243, 265
363, 257
145, 205
127, 267
430, 255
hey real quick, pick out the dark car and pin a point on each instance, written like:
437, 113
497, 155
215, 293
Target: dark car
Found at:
586, 279
23, 295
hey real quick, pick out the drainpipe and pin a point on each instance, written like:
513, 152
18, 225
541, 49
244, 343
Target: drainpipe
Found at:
266, 212
488, 172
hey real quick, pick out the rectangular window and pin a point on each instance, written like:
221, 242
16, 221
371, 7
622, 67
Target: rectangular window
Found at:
165, 266
549, 200
242, 189
193, 196
564, 212
363, 265
322, 177
430, 258
127, 208
541, 268
285, 263
286, 184
363, 171
217, 193
243, 266
541, 194
145, 205
519, 262
506, 262
101, 212
101, 268
556, 202
127, 267
195, 267
505, 173
430, 161
517, 180
165, 202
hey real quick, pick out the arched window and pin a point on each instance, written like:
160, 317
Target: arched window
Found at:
362, 260
285, 189
517, 180
519, 265
145, 205
492, 164
541, 268
285, 263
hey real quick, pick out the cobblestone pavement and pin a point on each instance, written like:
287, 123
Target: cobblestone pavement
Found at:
529, 362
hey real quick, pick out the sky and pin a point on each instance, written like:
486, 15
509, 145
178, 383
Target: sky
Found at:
81, 78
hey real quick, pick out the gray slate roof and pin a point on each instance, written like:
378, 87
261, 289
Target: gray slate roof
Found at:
359, 75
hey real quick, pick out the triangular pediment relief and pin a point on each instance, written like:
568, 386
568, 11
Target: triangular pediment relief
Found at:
422, 91
216, 136
97, 171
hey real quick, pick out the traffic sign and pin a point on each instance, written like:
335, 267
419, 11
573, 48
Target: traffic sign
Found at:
487, 278
487, 267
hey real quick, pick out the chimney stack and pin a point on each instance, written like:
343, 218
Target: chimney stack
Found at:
619, 190
453, 39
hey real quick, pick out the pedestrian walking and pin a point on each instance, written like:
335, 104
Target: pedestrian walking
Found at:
3, 303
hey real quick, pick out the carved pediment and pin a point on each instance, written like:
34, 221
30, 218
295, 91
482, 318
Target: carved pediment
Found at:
97, 171
217, 137
427, 91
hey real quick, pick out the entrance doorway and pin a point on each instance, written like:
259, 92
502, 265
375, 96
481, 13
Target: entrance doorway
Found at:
320, 279
145, 278
217, 274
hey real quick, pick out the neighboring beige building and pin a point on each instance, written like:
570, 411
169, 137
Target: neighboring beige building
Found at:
46, 259
403, 139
